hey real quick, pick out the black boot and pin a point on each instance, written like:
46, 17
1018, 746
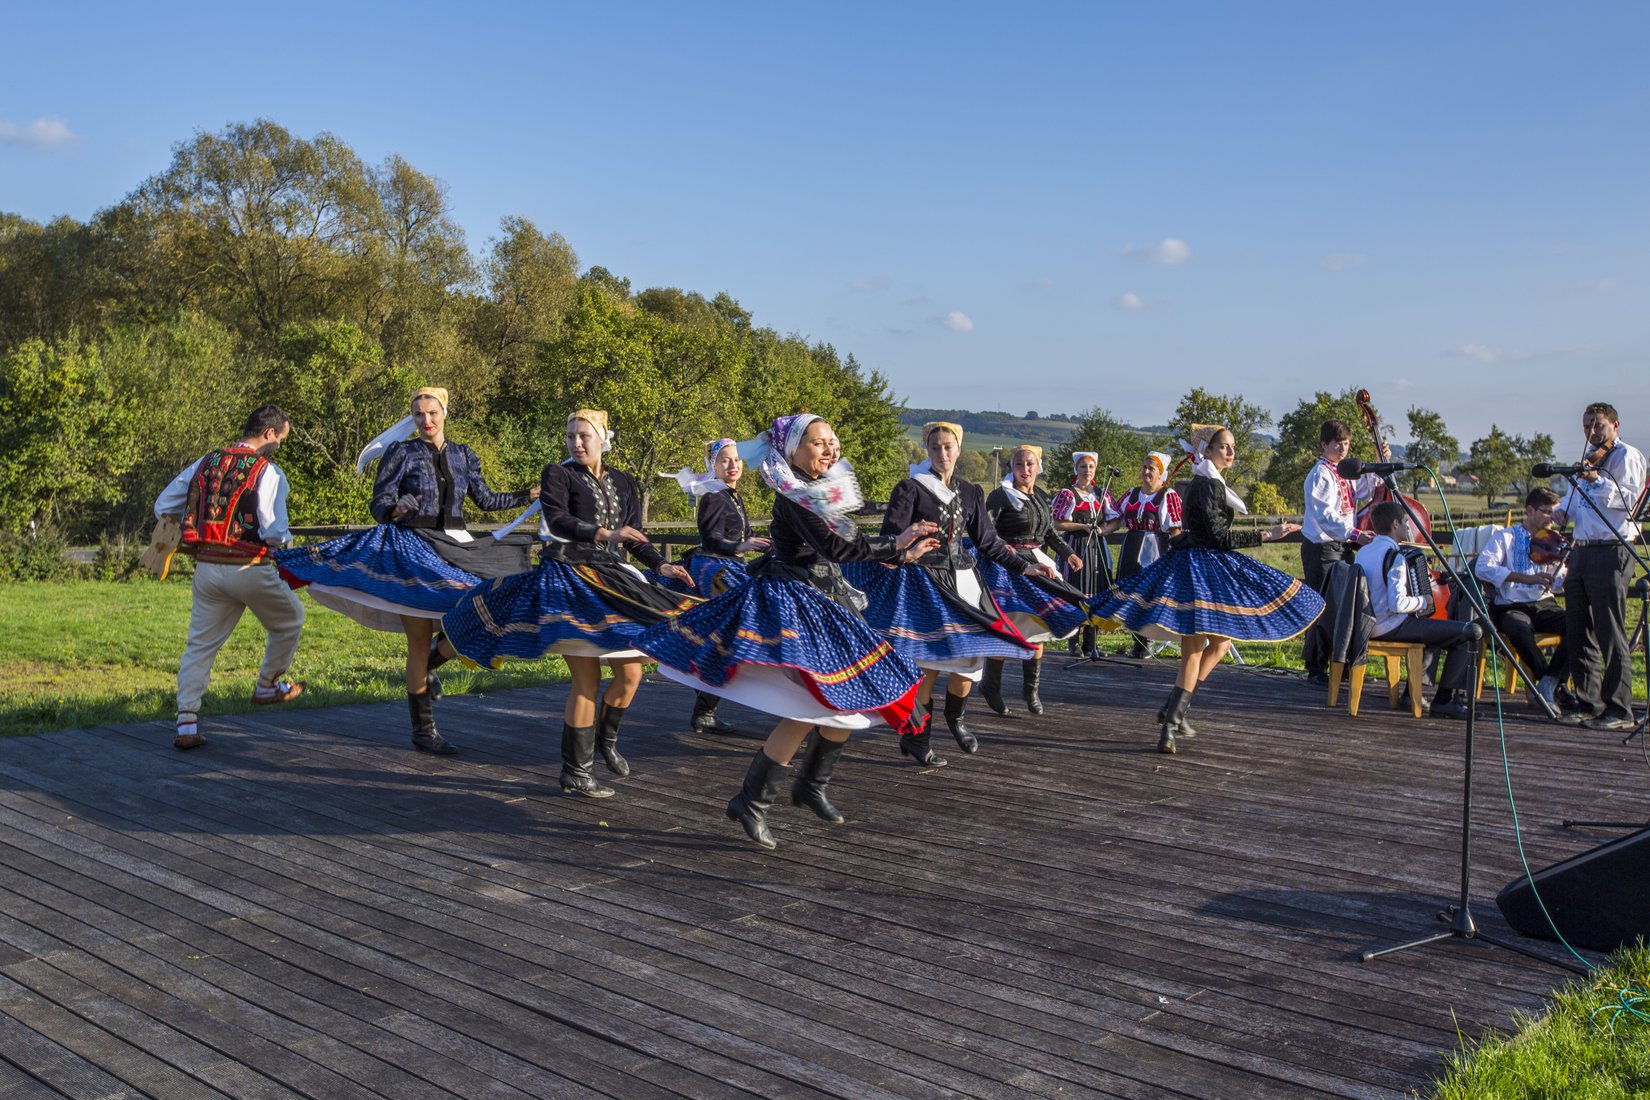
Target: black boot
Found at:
750, 806
991, 685
1174, 711
425, 737
1140, 650
432, 682
1091, 647
1184, 730
607, 738
817, 765
704, 715
1032, 673
954, 707
915, 744
578, 754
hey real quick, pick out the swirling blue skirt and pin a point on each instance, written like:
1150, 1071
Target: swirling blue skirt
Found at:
1055, 605
712, 575
580, 610
928, 622
789, 625
1218, 592
377, 575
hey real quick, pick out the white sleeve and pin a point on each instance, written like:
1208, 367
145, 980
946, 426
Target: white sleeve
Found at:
1491, 565
1624, 493
1322, 495
272, 490
175, 497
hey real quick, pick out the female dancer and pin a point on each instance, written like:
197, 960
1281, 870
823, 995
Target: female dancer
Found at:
938, 612
583, 600
404, 574
1042, 609
1206, 594
1150, 513
790, 642
718, 563
1079, 510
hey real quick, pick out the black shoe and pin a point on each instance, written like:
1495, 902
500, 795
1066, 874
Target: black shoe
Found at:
991, 685
578, 754
425, 737
1610, 723
955, 705
1575, 716
750, 806
1174, 714
817, 765
916, 746
1449, 708
704, 716
607, 739
1318, 678
1183, 729
1032, 675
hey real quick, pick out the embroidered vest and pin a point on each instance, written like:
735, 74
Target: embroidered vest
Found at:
220, 520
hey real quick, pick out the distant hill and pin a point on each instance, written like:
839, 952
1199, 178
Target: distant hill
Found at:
984, 430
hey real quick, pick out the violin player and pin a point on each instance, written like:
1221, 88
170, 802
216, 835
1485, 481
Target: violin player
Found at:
1524, 566
1329, 530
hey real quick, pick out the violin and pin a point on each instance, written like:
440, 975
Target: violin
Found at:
1372, 421
1550, 546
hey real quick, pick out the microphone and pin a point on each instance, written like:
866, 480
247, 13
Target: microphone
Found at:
1114, 471
1549, 469
1351, 467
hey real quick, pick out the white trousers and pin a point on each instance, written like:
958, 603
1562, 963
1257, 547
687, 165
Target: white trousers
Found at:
221, 594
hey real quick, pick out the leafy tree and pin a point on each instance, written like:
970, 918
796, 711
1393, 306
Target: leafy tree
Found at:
1245, 421
1298, 447
1430, 444
1265, 500
1494, 461
532, 281
1116, 443
1537, 448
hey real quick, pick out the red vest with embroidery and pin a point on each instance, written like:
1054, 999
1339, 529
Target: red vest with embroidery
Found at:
220, 521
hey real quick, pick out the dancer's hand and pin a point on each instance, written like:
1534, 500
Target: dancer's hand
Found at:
1279, 532
1074, 562
1040, 570
920, 547
760, 545
916, 531
676, 572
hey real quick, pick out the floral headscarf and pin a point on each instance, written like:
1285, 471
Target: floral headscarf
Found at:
832, 497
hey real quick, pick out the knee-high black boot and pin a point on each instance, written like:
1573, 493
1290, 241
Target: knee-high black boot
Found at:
991, 685
704, 715
578, 756
955, 705
1184, 730
750, 806
1173, 712
425, 737
817, 765
607, 739
432, 682
915, 744
1032, 672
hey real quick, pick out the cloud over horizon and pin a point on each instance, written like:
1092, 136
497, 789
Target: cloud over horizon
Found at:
1128, 301
1169, 252
957, 321
42, 133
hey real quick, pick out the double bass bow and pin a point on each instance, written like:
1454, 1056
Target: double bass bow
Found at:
1434, 579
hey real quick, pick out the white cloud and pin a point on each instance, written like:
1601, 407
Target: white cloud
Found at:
42, 133
1128, 301
867, 284
1168, 252
1340, 261
957, 321
1604, 285
1041, 282
1476, 351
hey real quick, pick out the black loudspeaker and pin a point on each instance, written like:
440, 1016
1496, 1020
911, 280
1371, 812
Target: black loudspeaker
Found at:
1599, 899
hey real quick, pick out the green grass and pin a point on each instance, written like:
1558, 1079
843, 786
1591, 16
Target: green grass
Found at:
84, 653
1584, 1046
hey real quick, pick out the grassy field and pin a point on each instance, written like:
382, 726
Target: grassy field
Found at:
82, 653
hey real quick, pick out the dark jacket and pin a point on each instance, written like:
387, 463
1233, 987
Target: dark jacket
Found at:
576, 503
964, 516
1031, 526
1348, 619
723, 524
1208, 519
435, 483
806, 549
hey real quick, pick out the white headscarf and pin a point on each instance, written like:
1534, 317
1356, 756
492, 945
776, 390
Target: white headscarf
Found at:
832, 497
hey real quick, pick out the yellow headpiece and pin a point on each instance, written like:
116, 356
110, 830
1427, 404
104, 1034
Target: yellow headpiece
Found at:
437, 392
932, 426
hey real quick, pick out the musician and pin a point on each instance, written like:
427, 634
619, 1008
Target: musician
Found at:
1329, 531
1401, 607
1521, 600
1150, 512
1595, 596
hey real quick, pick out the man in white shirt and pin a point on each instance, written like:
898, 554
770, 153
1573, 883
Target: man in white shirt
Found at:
1329, 531
231, 506
1398, 607
1521, 596
1595, 597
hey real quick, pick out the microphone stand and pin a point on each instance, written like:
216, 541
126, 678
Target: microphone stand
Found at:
1461, 924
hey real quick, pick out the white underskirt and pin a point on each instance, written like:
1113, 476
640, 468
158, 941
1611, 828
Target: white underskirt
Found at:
969, 668
370, 611
778, 691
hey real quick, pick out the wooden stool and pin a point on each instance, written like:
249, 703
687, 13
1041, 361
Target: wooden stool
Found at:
1542, 641
1413, 654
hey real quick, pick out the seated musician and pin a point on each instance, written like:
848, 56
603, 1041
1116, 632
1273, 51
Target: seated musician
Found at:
1522, 603
1401, 608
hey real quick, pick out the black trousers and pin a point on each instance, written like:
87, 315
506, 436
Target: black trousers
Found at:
1449, 635
1316, 558
1595, 604
1519, 623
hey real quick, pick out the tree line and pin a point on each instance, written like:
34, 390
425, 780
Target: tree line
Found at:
262, 266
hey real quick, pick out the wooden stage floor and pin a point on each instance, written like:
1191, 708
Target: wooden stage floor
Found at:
308, 908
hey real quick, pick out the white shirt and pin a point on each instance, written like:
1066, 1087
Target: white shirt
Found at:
271, 489
1507, 550
1389, 595
1620, 481
1327, 519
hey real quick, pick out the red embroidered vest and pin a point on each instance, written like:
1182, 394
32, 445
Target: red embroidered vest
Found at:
220, 521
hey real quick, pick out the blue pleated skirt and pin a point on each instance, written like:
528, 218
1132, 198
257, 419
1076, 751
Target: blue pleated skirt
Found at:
1217, 592
1041, 610
377, 575
712, 574
931, 624
583, 610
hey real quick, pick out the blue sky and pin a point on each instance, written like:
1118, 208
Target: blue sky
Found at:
1044, 207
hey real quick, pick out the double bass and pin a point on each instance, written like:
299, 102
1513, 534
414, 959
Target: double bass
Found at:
1433, 579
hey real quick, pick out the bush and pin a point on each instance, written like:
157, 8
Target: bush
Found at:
116, 558
38, 556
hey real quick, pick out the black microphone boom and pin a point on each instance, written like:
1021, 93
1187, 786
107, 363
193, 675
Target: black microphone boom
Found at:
1548, 469
1351, 467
